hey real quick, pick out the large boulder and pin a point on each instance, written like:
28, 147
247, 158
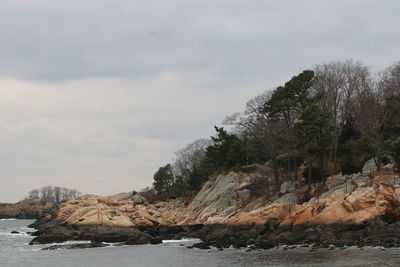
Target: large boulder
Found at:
369, 166
112, 211
223, 197
287, 187
273, 211
359, 203
134, 197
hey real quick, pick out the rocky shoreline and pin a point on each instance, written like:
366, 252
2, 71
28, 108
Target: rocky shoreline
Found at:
234, 209
372, 233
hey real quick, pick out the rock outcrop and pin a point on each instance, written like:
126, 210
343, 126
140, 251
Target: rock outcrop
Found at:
228, 195
26, 209
243, 202
92, 209
219, 201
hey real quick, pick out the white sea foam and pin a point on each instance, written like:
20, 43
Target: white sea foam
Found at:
15, 234
71, 242
11, 219
181, 240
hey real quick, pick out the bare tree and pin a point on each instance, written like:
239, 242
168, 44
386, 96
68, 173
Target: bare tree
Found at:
53, 193
338, 83
46, 193
370, 115
255, 124
189, 158
74, 193
57, 194
33, 194
390, 81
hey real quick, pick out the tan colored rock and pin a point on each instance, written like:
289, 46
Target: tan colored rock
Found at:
235, 198
362, 204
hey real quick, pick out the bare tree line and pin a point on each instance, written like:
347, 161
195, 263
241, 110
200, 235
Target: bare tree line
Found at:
53, 193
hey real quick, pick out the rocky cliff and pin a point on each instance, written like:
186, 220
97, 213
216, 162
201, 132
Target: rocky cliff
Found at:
241, 198
238, 199
221, 200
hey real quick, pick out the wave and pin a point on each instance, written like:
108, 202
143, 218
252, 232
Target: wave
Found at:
181, 240
10, 219
71, 242
15, 234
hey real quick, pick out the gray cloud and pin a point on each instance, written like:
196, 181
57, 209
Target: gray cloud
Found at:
97, 94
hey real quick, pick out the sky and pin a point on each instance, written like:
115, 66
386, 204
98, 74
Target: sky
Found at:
97, 94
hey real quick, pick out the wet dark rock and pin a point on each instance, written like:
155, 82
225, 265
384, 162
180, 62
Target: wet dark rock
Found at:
371, 233
264, 243
48, 239
76, 246
201, 245
155, 241
138, 238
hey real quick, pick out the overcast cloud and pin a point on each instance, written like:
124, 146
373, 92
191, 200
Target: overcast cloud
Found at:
97, 94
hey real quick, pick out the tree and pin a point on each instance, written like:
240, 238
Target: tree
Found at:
53, 193
390, 81
57, 194
188, 161
337, 83
354, 153
396, 153
389, 84
46, 193
33, 194
227, 151
163, 180
73, 193
287, 102
370, 116
263, 132
314, 133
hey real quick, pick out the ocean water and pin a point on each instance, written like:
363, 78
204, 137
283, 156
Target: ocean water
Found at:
15, 251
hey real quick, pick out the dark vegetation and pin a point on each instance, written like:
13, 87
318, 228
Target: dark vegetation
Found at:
332, 118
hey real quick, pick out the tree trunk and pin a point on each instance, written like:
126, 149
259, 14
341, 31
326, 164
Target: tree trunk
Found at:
275, 169
309, 164
377, 161
335, 154
321, 166
288, 163
289, 168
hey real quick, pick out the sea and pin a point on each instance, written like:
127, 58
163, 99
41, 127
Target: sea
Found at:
15, 251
